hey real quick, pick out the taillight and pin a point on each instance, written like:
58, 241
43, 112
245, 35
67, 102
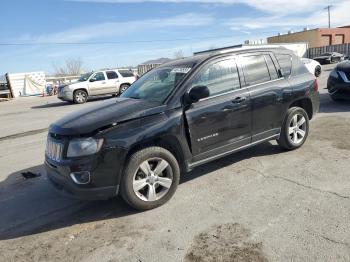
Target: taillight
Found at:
315, 85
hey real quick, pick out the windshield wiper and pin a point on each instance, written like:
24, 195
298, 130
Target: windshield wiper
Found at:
134, 97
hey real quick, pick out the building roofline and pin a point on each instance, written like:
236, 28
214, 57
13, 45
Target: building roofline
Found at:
313, 29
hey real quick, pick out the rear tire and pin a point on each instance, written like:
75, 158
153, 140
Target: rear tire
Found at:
80, 97
295, 129
334, 98
150, 178
318, 71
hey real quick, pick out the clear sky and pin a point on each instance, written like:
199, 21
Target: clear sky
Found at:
113, 33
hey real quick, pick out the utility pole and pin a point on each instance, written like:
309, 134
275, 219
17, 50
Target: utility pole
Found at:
329, 15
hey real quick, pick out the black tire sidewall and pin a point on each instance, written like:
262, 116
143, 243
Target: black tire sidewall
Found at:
284, 139
133, 163
318, 71
334, 98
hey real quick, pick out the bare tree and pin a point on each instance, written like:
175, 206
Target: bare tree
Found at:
179, 54
72, 67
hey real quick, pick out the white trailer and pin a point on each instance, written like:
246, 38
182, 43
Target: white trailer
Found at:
299, 49
27, 84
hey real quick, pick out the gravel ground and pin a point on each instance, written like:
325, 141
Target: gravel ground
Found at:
261, 204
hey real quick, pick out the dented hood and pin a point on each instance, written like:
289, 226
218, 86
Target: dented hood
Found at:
89, 120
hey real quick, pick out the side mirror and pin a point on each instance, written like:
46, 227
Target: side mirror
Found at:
198, 92
92, 80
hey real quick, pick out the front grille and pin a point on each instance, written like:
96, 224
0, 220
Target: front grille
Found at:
54, 150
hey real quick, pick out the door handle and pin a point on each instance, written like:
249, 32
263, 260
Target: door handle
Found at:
239, 100
103, 83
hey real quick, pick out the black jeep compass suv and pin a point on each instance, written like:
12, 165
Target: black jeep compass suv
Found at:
178, 116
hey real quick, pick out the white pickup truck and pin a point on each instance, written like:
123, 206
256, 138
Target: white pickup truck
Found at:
102, 82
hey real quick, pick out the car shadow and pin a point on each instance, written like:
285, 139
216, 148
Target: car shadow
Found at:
263, 149
327, 105
49, 105
63, 103
31, 206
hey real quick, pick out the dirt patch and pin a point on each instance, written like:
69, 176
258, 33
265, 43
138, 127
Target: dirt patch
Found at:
227, 242
333, 129
77, 243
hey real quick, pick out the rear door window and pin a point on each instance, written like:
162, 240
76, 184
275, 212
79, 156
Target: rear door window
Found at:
111, 75
255, 69
285, 62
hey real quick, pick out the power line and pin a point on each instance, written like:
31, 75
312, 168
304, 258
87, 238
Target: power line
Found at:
110, 42
122, 42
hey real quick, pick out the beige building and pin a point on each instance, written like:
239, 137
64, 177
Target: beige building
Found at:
315, 37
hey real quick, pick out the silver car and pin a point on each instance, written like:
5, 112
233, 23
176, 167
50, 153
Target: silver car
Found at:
103, 82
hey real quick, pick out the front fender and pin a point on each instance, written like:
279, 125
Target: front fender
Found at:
167, 127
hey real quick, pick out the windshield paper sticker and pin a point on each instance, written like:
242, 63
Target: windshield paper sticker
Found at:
184, 70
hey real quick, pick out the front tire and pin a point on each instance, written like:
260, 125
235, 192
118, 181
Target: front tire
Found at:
150, 179
123, 88
295, 129
80, 97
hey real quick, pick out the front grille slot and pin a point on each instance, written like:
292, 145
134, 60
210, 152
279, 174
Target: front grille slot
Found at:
54, 150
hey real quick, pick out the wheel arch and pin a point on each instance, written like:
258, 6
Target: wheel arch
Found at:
168, 142
82, 88
304, 103
125, 83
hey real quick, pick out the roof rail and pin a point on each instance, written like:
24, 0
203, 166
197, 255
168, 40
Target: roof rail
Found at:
236, 47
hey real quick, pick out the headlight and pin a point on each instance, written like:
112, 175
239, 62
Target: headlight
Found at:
84, 147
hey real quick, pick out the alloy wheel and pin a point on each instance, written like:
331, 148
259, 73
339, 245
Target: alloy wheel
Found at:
80, 97
297, 129
152, 179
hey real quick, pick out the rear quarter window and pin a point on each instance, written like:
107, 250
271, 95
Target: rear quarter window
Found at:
299, 67
285, 62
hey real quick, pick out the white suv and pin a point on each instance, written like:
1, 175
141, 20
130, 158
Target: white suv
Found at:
104, 82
